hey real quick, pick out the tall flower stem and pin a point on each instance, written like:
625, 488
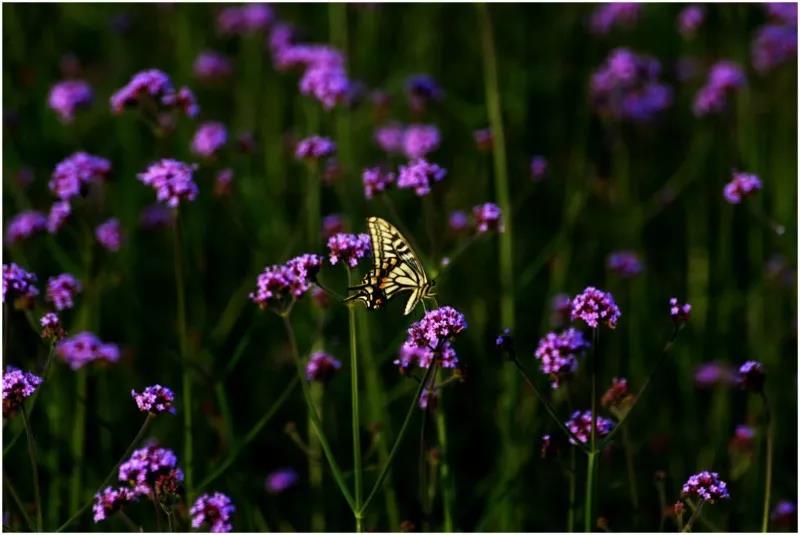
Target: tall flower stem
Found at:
32, 402
313, 205
695, 514
634, 494
571, 476
768, 476
186, 379
34, 468
76, 445
142, 430
15, 496
444, 467
591, 468
354, 401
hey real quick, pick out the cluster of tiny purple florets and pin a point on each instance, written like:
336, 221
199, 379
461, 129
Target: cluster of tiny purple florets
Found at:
51, 327
595, 307
690, 19
73, 174
155, 399
376, 180
558, 354
321, 366
419, 175
172, 180
611, 15
25, 225
724, 79
580, 425
110, 500
488, 217
430, 338
538, 168
679, 313
775, 43
348, 248
419, 140
625, 264
314, 148
18, 283
18, 386
213, 510
751, 376
84, 348
62, 289
69, 95
248, 18
741, 186
705, 486
58, 215
209, 138
211, 65
157, 86
109, 234
422, 89
147, 467
278, 284
281, 480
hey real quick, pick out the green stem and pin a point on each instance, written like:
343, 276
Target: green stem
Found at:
34, 468
626, 443
20, 505
79, 424
571, 478
695, 514
590, 471
591, 465
142, 430
447, 487
354, 401
768, 477
32, 402
313, 230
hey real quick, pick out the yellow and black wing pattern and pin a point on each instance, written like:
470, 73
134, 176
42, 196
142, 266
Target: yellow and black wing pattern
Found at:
395, 269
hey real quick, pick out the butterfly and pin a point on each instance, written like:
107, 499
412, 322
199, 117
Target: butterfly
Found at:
395, 269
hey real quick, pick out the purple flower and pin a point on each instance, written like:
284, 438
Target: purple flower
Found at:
280, 283
679, 313
428, 398
332, 224
314, 148
690, 19
149, 469
751, 376
488, 217
84, 348
561, 307
784, 12
773, 45
458, 221
74, 174
625, 264
580, 425
784, 513
281, 480
59, 213
418, 175
61, 290
51, 327
321, 366
558, 354
505, 342
390, 138
724, 79
349, 248
608, 16
422, 89
110, 500
419, 140
18, 283
325, 82
595, 307
151, 83
376, 180
484, 140
706, 487
244, 19
281, 37
172, 181
222, 182
109, 234
627, 86
185, 100
538, 168
430, 338
209, 138
69, 95
742, 185
215, 511
24, 225
211, 65
17, 387
155, 399
711, 374
742, 440
308, 56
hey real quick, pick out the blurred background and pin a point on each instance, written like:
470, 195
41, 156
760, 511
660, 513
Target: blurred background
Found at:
646, 177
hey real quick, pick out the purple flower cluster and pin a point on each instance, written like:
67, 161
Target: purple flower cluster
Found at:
538, 168
327, 82
751, 376
51, 327
172, 180
558, 354
580, 425
157, 86
679, 313
324, 78
150, 471
58, 215
595, 307
109, 501
155, 399
422, 89
418, 175
724, 79
484, 140
321, 366
209, 138
280, 283
784, 513
18, 283
560, 309
213, 510
775, 43
61, 290
281, 480
488, 217
314, 148
17, 387
608, 16
25, 225
712, 374
244, 19
419, 140
690, 19
332, 224
222, 182
348, 248
390, 138
69, 95
625, 264
155, 216
458, 221
211, 65
84, 348
627, 86
73, 174
428, 398
376, 180
430, 338
742, 440
741, 186
705, 486
109, 234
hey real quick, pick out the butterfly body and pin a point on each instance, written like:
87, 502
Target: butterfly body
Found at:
395, 269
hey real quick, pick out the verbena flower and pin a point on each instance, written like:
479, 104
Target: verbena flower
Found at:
61, 290
773, 45
314, 148
321, 366
73, 175
422, 90
558, 354
784, 12
784, 513
430, 338
690, 19
560, 309
595, 307
152, 83
58, 215
538, 168
580, 425
149, 468
428, 398
627, 86
110, 500
390, 137
505, 342
679, 313
743, 440
155, 399
609, 16
68, 96
213, 510
458, 221
183, 100
724, 79
625, 264
17, 387
211, 65
244, 19
18, 284
328, 83
741, 186
52, 329
281, 480
419, 175
24, 225
84, 348
751, 376
711, 374
172, 180
551, 446
222, 182
278, 284
376, 180
419, 140
348, 248
281, 37
706, 487
332, 224
156, 216
488, 217
109, 234
484, 140
209, 138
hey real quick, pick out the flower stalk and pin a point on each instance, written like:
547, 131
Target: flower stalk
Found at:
356, 413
